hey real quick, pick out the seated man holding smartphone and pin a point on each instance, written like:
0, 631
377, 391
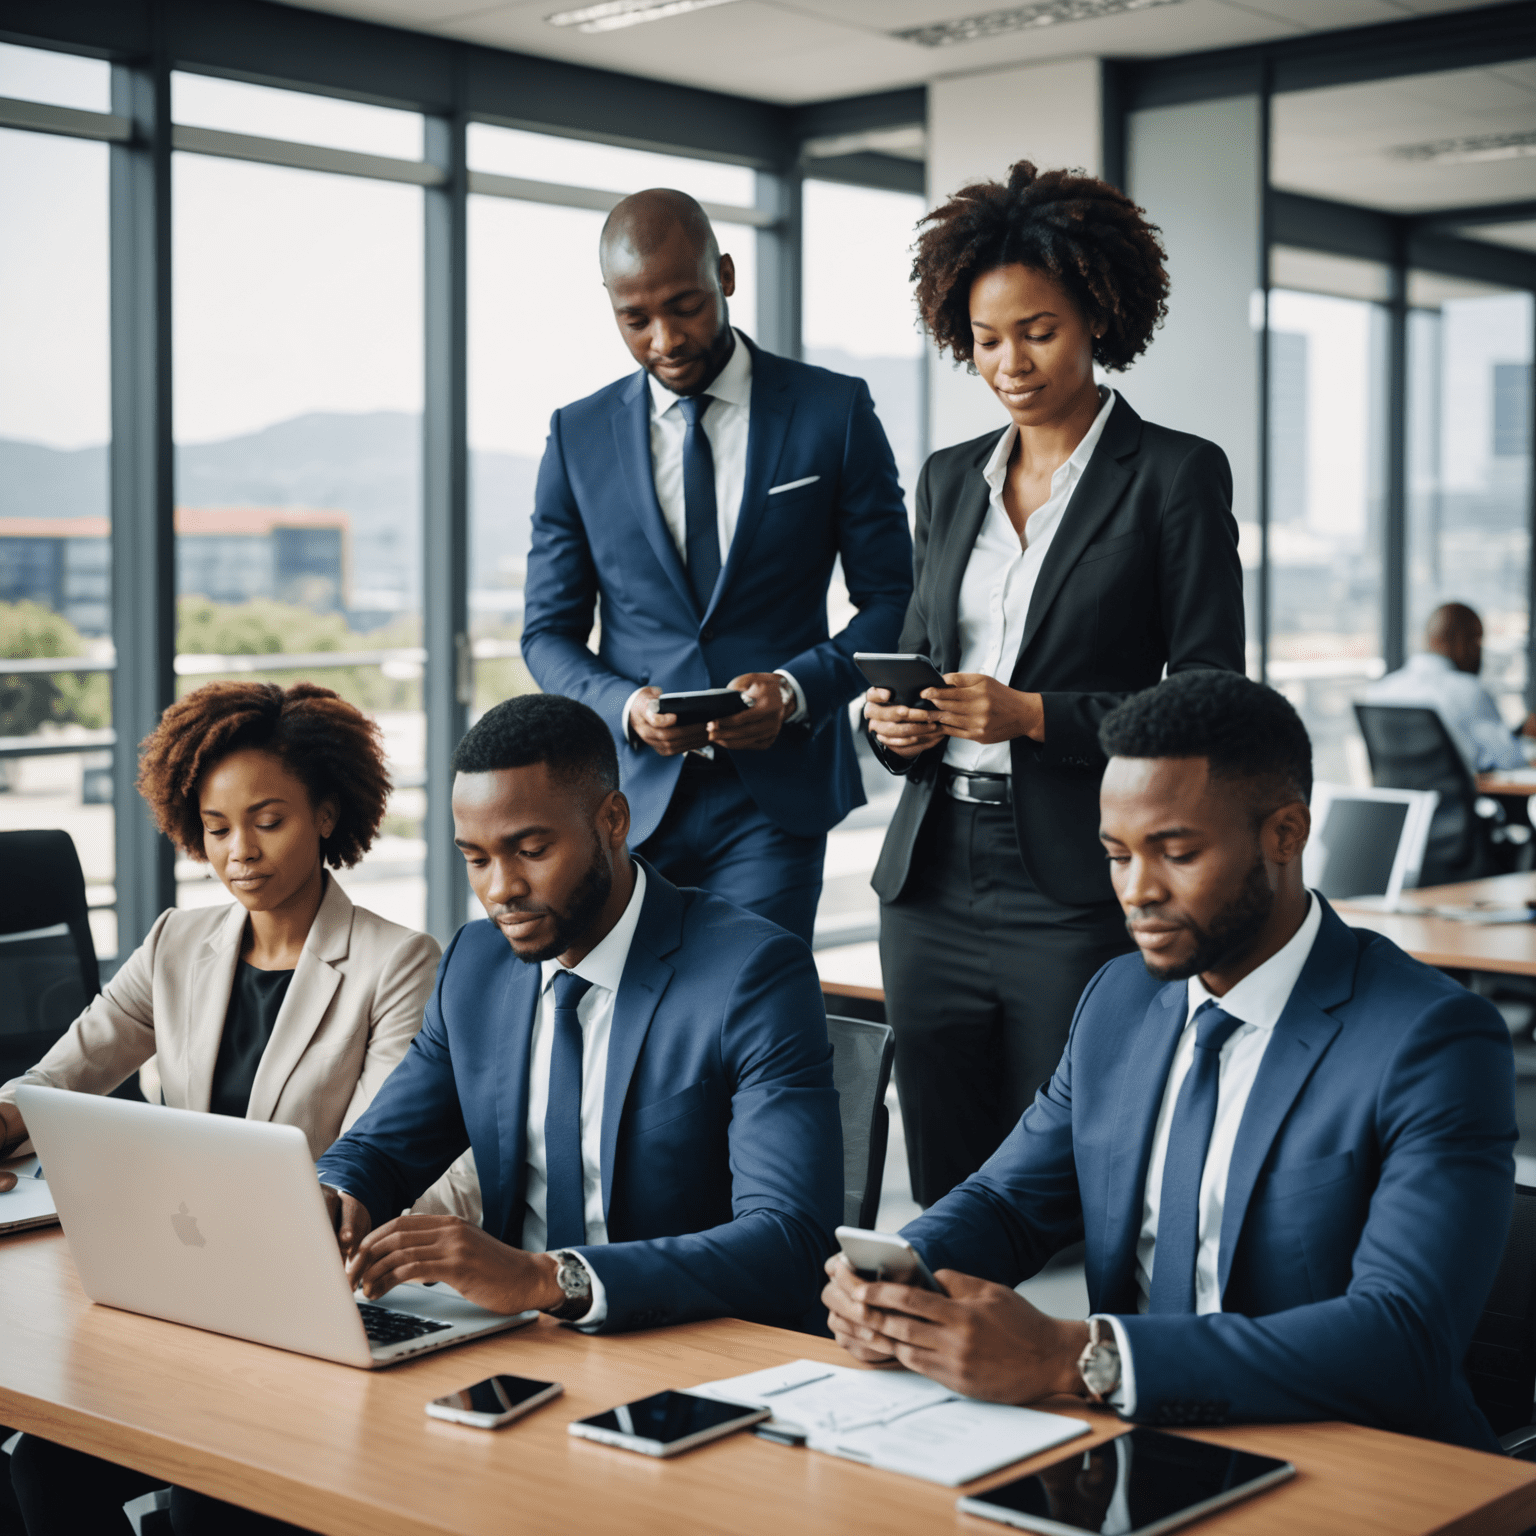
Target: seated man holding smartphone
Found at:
642, 1072
1287, 1144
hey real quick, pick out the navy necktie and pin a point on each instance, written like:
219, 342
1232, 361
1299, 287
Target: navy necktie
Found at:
565, 1201
703, 523
1189, 1139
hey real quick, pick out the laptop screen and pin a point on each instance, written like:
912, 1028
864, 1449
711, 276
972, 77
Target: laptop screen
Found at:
1361, 838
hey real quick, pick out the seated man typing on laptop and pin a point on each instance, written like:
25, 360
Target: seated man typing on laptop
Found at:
1286, 1143
642, 1072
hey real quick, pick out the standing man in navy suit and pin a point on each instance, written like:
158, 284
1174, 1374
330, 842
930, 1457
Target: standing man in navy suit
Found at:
697, 509
1287, 1145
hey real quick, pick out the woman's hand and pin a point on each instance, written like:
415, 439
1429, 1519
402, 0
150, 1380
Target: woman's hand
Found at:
978, 708
906, 732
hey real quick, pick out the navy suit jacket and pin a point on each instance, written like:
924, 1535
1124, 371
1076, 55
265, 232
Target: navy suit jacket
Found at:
599, 537
722, 1158
1367, 1202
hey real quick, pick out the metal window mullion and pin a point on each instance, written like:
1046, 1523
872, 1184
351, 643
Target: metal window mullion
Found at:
69, 122
1266, 237
1530, 555
780, 252
142, 480
524, 189
303, 157
1394, 522
448, 679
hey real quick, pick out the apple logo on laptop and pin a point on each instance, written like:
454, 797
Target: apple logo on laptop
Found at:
185, 1224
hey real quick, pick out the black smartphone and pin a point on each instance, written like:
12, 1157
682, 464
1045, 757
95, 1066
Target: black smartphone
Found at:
667, 1422
495, 1401
1152, 1481
905, 675
701, 705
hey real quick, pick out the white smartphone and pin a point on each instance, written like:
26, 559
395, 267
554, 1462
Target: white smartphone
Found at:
667, 1423
495, 1401
884, 1256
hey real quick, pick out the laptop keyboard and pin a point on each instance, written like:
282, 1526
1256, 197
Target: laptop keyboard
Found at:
385, 1326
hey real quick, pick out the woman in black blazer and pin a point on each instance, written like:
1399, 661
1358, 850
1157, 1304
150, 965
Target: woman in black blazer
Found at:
1061, 564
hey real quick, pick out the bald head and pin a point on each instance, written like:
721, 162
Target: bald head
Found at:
668, 284
644, 224
1455, 632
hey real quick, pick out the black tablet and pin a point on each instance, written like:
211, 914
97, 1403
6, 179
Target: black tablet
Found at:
1141, 1484
905, 675
701, 705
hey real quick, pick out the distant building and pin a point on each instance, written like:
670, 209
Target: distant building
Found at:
229, 554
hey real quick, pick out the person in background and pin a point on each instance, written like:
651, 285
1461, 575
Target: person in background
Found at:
1287, 1144
290, 1004
650, 1098
1443, 677
1062, 563
703, 503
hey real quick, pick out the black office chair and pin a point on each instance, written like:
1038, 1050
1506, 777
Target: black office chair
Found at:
1501, 1364
862, 1054
1410, 748
48, 969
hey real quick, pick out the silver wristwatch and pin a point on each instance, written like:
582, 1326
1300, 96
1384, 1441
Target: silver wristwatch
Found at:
1099, 1362
574, 1278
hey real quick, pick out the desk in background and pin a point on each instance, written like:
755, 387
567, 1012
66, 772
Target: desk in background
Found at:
343, 1451
1507, 948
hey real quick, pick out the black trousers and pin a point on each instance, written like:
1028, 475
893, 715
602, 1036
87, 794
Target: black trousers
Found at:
68, 1493
982, 973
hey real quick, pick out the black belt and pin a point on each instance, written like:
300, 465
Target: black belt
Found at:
718, 763
978, 788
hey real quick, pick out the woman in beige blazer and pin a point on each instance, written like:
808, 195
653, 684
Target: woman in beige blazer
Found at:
292, 1005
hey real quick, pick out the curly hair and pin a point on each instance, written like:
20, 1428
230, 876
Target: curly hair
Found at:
332, 748
1085, 234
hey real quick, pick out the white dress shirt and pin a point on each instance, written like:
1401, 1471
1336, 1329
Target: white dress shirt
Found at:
1471, 717
1000, 579
1258, 1000
727, 422
604, 968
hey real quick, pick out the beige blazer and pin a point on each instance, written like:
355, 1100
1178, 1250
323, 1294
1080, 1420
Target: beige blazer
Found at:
355, 1003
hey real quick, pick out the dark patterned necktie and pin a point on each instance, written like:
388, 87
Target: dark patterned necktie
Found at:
703, 523
565, 1198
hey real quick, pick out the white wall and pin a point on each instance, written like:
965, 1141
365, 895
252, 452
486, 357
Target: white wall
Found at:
1195, 170
978, 125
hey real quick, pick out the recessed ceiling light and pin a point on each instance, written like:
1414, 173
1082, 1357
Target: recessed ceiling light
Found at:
1474, 147
613, 14
1018, 18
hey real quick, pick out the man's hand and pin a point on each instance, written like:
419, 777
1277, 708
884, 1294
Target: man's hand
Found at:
906, 732
976, 707
12, 1129
662, 733
350, 1220
755, 729
982, 1340
479, 1267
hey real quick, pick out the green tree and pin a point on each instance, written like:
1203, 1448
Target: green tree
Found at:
32, 699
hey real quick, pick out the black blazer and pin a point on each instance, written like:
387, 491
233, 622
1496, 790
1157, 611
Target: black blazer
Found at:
1143, 572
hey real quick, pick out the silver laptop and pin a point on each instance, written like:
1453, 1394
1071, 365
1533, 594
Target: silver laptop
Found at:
219, 1223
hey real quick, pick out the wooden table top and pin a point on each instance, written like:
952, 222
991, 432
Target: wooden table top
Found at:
1508, 781
1509, 948
346, 1451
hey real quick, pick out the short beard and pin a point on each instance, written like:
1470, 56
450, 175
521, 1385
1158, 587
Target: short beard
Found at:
1233, 931
581, 912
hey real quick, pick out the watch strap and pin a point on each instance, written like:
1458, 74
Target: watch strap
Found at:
575, 1280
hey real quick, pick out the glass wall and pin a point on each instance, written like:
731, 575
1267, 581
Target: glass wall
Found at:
541, 335
1469, 467
298, 369
1327, 488
55, 597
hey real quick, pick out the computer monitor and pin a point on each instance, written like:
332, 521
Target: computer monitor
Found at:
1367, 842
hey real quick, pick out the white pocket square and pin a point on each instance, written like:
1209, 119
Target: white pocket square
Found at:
793, 485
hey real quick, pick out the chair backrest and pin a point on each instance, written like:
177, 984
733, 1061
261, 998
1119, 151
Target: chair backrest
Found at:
1501, 1363
48, 970
861, 1068
1410, 748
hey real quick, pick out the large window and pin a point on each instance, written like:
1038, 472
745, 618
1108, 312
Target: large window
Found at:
54, 514
1327, 494
298, 368
1469, 465
542, 334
